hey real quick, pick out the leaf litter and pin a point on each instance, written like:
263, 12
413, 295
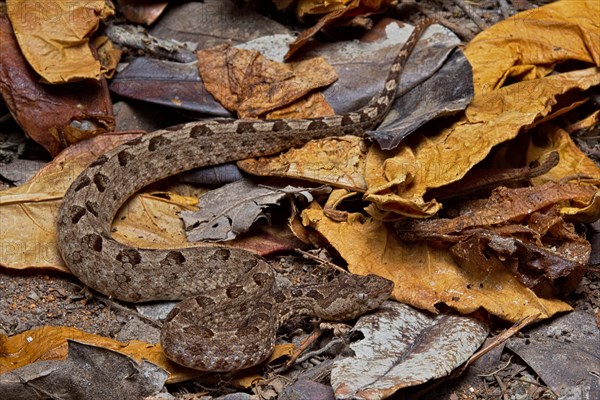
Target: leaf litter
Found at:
479, 254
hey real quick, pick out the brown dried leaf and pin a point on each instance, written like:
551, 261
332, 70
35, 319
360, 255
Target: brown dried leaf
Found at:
521, 229
573, 164
54, 116
142, 11
425, 275
54, 36
335, 12
108, 54
336, 161
256, 85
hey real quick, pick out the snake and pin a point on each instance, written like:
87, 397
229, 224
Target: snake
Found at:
231, 306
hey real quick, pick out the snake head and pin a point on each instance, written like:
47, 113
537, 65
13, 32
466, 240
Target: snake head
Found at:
352, 296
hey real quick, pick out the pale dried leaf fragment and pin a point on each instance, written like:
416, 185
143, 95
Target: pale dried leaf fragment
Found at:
404, 347
231, 209
54, 36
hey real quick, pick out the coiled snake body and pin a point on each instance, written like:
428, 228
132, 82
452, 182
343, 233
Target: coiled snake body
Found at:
232, 308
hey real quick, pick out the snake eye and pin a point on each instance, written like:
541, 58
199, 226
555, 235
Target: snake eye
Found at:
361, 297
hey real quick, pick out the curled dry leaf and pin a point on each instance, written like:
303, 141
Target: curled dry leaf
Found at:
398, 181
528, 45
403, 347
54, 116
54, 36
520, 229
256, 85
424, 274
334, 12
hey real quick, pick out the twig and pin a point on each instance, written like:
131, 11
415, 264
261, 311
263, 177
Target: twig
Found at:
111, 303
504, 8
303, 346
136, 37
320, 261
471, 13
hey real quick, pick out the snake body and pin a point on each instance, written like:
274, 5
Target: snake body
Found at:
232, 307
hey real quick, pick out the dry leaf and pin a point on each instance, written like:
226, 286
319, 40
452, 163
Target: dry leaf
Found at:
232, 209
89, 372
528, 45
425, 275
336, 161
54, 116
573, 162
256, 85
50, 343
336, 10
28, 212
403, 347
398, 181
54, 36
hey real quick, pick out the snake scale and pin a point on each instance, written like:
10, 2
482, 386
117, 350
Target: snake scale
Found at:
232, 307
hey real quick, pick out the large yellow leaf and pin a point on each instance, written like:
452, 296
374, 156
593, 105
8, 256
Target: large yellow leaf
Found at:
54, 36
425, 276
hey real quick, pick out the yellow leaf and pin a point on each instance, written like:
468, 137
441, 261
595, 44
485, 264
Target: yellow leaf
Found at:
336, 161
50, 343
530, 43
424, 275
54, 36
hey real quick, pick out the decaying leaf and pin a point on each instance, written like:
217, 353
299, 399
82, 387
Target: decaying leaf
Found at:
425, 274
53, 116
54, 36
256, 85
403, 347
89, 372
231, 209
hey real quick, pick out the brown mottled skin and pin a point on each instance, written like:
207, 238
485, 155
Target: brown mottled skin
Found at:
232, 307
